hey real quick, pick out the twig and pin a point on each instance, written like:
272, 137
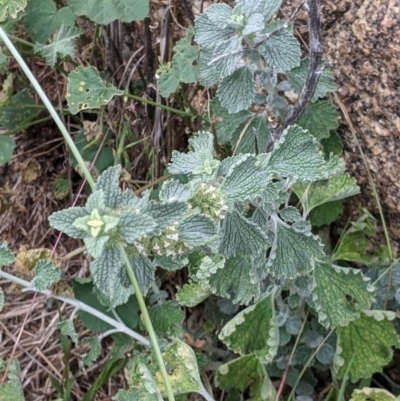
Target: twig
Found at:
80, 306
314, 72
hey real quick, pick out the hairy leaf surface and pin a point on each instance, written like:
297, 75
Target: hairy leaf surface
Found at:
239, 372
253, 331
340, 294
46, 274
293, 251
366, 342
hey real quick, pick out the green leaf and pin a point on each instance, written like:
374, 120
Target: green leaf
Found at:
368, 342
297, 154
282, 50
63, 221
241, 235
67, 328
61, 44
144, 271
237, 91
238, 279
226, 56
353, 244
183, 70
43, 18
270, 8
244, 181
340, 294
7, 146
109, 276
253, 331
184, 376
165, 214
105, 11
6, 256
90, 151
11, 8
172, 190
211, 26
108, 182
333, 144
326, 214
208, 74
319, 118
254, 24
192, 294
86, 90
95, 245
297, 77
94, 350
143, 387
246, 372
11, 389
134, 225
46, 274
293, 251
227, 123
165, 316
197, 230
199, 160
83, 291
317, 193
372, 394
17, 112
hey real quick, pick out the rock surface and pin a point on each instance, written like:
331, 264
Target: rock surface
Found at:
362, 41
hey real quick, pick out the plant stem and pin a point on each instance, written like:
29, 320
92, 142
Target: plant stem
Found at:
147, 323
22, 41
120, 327
49, 106
161, 106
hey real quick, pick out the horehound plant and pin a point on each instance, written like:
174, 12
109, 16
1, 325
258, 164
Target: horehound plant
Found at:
243, 226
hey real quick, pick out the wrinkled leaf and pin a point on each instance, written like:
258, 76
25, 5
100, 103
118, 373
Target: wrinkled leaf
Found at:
368, 342
340, 294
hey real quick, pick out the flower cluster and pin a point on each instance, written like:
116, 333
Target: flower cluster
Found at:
210, 201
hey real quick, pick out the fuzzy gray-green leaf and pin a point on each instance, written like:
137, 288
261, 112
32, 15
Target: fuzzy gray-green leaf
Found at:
293, 251
320, 192
238, 278
46, 274
237, 91
253, 331
209, 32
144, 271
109, 183
244, 181
226, 56
110, 278
6, 256
340, 294
241, 235
165, 214
197, 230
63, 221
199, 160
297, 154
131, 226
172, 190
94, 350
282, 50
